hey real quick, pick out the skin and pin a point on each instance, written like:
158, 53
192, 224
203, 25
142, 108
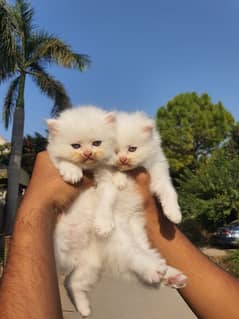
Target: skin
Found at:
29, 288
210, 292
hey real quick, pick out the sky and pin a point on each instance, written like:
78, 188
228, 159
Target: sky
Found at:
143, 54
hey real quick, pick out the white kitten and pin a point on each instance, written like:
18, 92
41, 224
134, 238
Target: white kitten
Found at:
84, 138
126, 251
80, 138
139, 144
82, 247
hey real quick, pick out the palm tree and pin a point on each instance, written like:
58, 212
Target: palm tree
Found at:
25, 51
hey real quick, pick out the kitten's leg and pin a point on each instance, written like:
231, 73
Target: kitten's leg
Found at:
145, 261
70, 172
136, 226
174, 278
79, 283
104, 221
149, 266
163, 188
120, 180
106, 193
139, 257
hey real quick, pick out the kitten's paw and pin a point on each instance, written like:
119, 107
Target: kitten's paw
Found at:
174, 278
154, 272
84, 309
172, 211
103, 228
70, 173
169, 201
120, 180
153, 276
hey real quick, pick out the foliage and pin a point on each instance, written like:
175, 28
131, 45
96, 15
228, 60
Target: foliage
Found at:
4, 154
194, 231
211, 196
231, 148
231, 263
25, 50
31, 146
192, 127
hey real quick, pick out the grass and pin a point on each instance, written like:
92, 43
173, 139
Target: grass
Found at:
230, 263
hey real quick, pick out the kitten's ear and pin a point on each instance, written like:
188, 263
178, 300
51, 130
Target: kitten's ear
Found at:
53, 126
148, 128
110, 118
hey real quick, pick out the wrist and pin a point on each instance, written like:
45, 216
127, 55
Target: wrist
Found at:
36, 212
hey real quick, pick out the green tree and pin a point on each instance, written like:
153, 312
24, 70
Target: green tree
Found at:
211, 195
232, 146
26, 51
191, 127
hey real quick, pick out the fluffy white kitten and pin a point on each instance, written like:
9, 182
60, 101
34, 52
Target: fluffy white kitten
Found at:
125, 252
84, 138
139, 144
82, 247
80, 138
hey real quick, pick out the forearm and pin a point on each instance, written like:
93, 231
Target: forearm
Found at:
210, 292
29, 288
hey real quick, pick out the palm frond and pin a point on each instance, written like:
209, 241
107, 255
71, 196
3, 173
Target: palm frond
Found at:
8, 24
7, 68
24, 14
52, 49
34, 42
10, 102
52, 88
8, 30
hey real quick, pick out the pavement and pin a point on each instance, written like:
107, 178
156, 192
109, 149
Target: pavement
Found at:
214, 252
114, 298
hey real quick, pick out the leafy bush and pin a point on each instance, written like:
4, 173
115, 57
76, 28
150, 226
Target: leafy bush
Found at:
211, 196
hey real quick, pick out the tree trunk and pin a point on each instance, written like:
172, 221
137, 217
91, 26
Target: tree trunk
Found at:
14, 167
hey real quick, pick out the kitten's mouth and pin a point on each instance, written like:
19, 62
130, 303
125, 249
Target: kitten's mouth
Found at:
88, 160
89, 163
124, 167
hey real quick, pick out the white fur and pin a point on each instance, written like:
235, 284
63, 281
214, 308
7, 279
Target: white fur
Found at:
136, 129
83, 255
82, 125
104, 229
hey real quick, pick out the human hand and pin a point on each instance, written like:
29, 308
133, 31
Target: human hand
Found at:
142, 180
153, 211
48, 187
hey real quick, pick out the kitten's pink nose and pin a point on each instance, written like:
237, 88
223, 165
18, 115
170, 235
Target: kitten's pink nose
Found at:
123, 159
87, 153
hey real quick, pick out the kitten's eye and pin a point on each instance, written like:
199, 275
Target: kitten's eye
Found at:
96, 143
76, 146
132, 148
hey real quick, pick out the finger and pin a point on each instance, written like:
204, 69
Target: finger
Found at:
140, 175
